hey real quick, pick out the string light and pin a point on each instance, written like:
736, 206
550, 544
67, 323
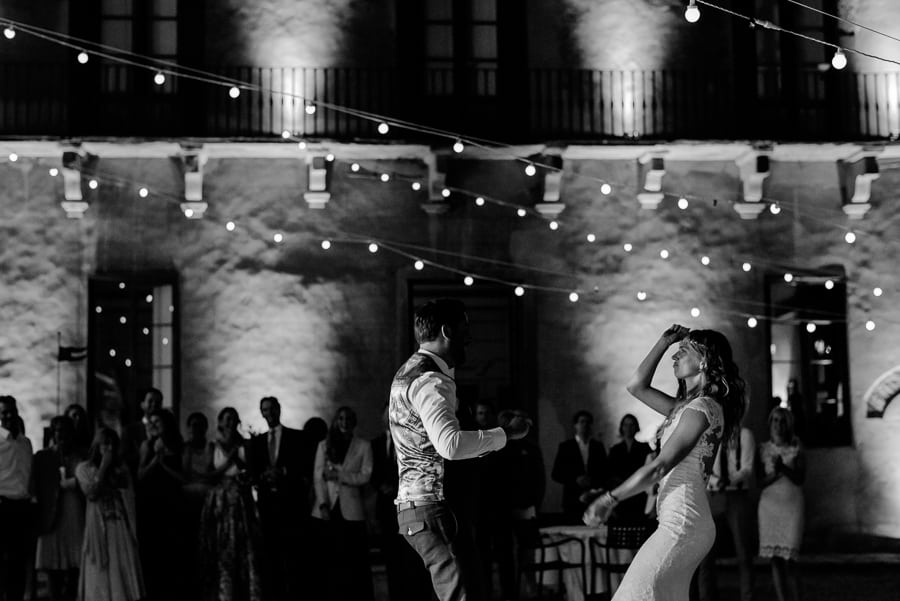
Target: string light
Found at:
149, 298
98, 309
573, 297
145, 331
458, 146
641, 295
746, 267
445, 192
383, 128
121, 285
692, 12
419, 265
82, 58
278, 238
54, 172
310, 108
285, 134
385, 177
788, 277
519, 291
751, 322
704, 260
554, 225
326, 244
591, 238
530, 170
143, 192
695, 312
301, 144
123, 320
664, 254
190, 213
416, 186
468, 280
521, 212
810, 327
682, 203
13, 157
160, 78
93, 184
839, 60
479, 201
850, 237
774, 208
230, 226
234, 91
127, 362
627, 247
605, 189
9, 33
877, 291
870, 325
829, 284
112, 352
329, 157
373, 248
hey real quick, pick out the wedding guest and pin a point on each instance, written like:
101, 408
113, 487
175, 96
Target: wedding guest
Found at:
160, 506
343, 467
110, 568
580, 466
61, 508
230, 538
135, 433
782, 469
84, 433
625, 458
15, 500
197, 463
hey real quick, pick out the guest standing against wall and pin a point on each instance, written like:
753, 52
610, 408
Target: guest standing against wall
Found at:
625, 458
580, 466
15, 501
136, 432
782, 469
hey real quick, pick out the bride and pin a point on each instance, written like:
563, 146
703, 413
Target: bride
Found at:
707, 409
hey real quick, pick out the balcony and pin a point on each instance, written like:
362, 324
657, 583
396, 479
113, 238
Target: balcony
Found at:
54, 100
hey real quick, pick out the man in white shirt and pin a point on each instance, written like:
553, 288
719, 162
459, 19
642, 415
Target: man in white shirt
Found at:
426, 432
732, 509
15, 501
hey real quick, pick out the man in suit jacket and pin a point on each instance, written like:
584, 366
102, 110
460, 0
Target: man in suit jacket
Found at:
135, 433
580, 466
276, 463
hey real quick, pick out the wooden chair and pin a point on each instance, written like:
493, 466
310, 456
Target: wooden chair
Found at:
553, 562
607, 557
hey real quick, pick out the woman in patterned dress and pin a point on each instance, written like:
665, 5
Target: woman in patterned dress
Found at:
707, 409
781, 467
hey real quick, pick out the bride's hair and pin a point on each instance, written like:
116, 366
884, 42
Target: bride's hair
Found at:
723, 379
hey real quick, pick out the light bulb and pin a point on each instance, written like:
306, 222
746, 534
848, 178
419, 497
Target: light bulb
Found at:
121, 285
354, 167
82, 57
127, 362
877, 291
468, 280
692, 13
285, 134
149, 298
521, 212
573, 297
774, 208
416, 186
373, 248
839, 60
641, 295
13, 157
788, 278
329, 157
479, 202
870, 325
458, 146
383, 128
385, 177
704, 260
419, 265
695, 312
234, 91
310, 108
54, 172
326, 244
746, 266
190, 213
160, 78
664, 254
230, 226
530, 170
591, 238
445, 192
278, 238
143, 192
9, 32
93, 184
98, 309
751, 322
829, 284
123, 320
810, 327
850, 237
627, 247
301, 144
112, 352
605, 189
682, 203
519, 291
554, 225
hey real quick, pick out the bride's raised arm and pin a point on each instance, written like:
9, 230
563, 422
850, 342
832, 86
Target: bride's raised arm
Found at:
639, 385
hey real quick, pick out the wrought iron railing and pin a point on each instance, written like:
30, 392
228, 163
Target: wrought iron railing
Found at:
514, 106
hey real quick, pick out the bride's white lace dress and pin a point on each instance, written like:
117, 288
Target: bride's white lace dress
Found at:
662, 568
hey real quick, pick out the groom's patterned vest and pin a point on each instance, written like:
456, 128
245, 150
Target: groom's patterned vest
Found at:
421, 467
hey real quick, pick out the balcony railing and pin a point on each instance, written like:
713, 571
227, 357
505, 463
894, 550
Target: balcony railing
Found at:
518, 106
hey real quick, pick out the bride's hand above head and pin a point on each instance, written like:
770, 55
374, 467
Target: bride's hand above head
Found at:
675, 333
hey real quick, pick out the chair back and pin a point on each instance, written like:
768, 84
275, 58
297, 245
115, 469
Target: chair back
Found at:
550, 557
607, 555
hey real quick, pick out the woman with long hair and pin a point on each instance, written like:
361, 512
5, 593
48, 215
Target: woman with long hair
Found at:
110, 568
782, 467
63, 506
706, 410
229, 525
625, 458
343, 467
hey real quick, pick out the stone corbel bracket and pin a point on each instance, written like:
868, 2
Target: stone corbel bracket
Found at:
651, 169
74, 162
437, 181
192, 161
318, 182
754, 168
856, 174
550, 205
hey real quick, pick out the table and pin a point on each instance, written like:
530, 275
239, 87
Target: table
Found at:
572, 578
